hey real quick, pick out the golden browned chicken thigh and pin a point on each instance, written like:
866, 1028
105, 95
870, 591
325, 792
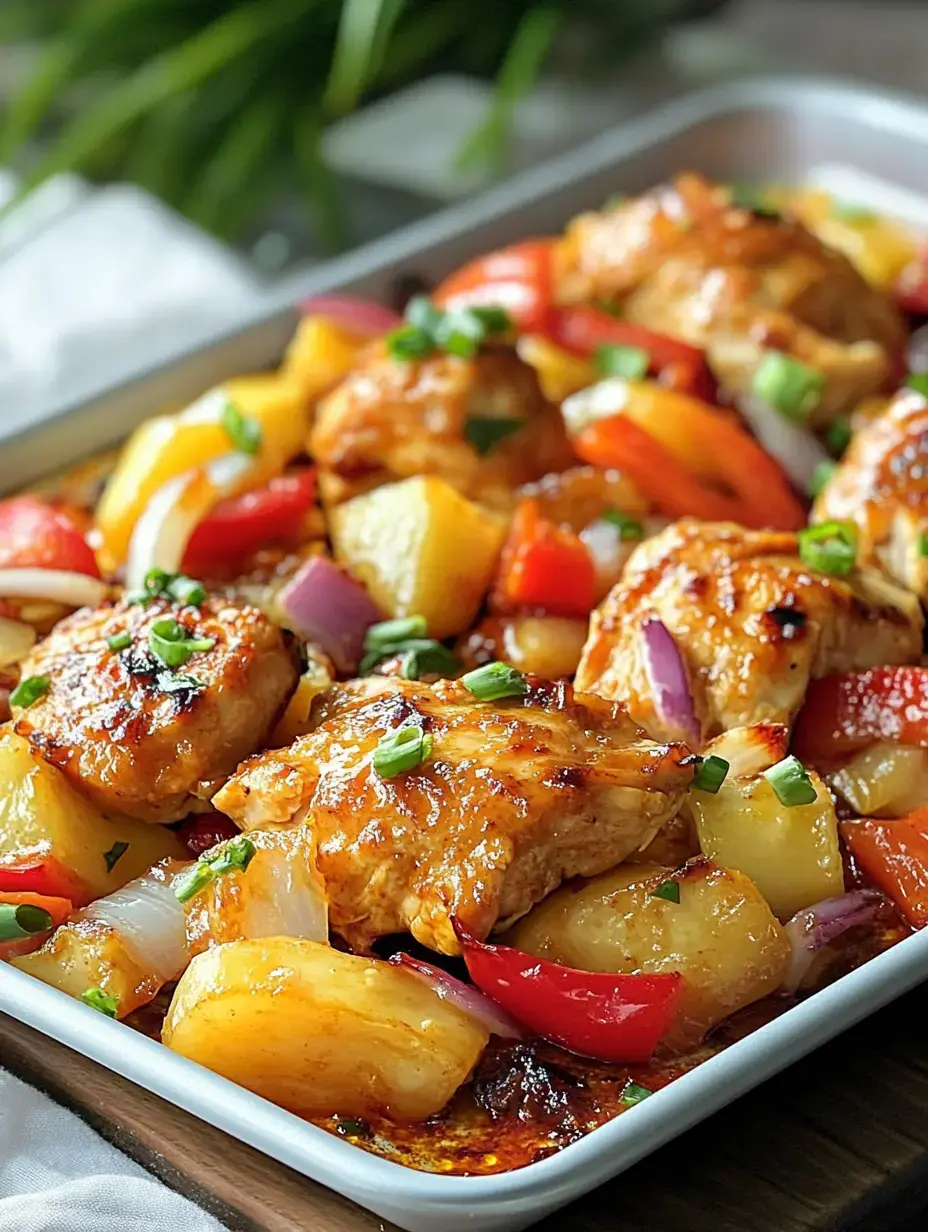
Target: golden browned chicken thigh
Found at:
137, 736
514, 797
684, 261
752, 624
881, 483
392, 418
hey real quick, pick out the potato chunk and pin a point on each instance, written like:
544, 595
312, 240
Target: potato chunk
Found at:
791, 854
322, 1032
720, 936
420, 548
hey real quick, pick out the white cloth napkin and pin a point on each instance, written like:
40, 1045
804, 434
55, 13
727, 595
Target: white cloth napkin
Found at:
57, 1175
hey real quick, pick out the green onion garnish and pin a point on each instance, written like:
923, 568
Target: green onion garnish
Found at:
629, 528
18, 920
433, 659
710, 774
829, 547
186, 590
494, 681
630, 362
243, 431
747, 197
114, 855
634, 1093
409, 342
176, 682
613, 201
29, 690
919, 382
856, 215
98, 1000
119, 641
670, 890
788, 385
461, 333
923, 543
156, 582
401, 750
790, 780
823, 472
838, 436
486, 434
388, 632
495, 320
611, 307
422, 313
172, 644
236, 853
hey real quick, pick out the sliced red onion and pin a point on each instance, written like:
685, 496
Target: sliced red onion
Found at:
797, 449
670, 685
324, 605
361, 316
466, 997
811, 929
55, 585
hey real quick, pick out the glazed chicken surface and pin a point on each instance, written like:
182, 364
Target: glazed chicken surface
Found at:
752, 623
137, 737
881, 484
738, 282
514, 797
391, 419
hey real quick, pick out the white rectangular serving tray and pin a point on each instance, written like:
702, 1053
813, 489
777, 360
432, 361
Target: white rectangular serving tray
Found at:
870, 146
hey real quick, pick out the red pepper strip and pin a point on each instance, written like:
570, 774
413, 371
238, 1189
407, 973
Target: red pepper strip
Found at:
609, 1017
895, 854
201, 833
517, 278
243, 524
843, 713
544, 566
912, 286
36, 535
46, 876
58, 908
584, 330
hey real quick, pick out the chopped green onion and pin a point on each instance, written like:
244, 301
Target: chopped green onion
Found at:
788, 385
614, 201
186, 590
420, 649
156, 582
18, 920
495, 320
856, 215
919, 382
494, 681
101, 1001
175, 682
823, 472
236, 853
29, 690
243, 431
710, 774
630, 362
747, 197
611, 307
171, 643
461, 333
670, 890
387, 632
431, 660
829, 547
119, 641
348, 1127
838, 436
790, 780
634, 1093
409, 342
486, 434
629, 528
422, 313
114, 855
401, 750
923, 543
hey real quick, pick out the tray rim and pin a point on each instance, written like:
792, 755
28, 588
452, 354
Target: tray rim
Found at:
383, 1185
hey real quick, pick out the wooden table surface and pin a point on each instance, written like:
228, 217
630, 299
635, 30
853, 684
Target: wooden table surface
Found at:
837, 1142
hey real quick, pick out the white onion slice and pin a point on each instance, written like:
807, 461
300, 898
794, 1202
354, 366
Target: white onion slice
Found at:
466, 997
815, 927
797, 449
289, 900
16, 640
148, 917
162, 533
670, 684
604, 400
55, 585
750, 750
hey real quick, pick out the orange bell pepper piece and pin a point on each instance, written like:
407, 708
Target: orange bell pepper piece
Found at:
895, 854
544, 566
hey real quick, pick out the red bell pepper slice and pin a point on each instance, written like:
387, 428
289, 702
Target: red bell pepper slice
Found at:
243, 524
36, 535
912, 286
543, 566
201, 833
44, 875
842, 714
518, 278
617, 1018
58, 908
895, 855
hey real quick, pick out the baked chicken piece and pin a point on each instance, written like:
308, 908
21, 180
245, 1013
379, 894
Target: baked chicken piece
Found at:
738, 282
137, 736
514, 797
393, 418
881, 483
751, 622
